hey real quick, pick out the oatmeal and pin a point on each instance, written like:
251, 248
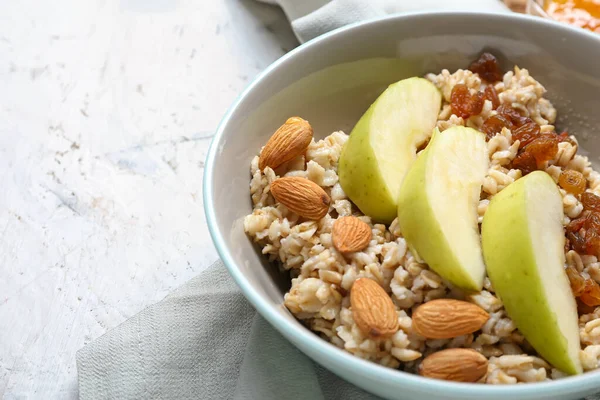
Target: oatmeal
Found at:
324, 265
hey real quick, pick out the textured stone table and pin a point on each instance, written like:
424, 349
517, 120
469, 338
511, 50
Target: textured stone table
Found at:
107, 109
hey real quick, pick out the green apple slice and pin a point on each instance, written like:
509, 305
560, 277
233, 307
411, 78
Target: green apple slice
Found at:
523, 246
437, 206
383, 145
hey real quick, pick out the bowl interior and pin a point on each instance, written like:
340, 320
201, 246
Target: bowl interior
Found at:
332, 81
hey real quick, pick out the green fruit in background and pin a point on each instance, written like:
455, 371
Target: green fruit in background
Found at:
437, 206
523, 246
383, 145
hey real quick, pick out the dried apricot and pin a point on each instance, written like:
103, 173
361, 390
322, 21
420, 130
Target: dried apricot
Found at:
526, 133
487, 67
572, 181
590, 201
494, 125
490, 94
543, 148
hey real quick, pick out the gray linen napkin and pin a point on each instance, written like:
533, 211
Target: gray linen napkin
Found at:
203, 341
311, 18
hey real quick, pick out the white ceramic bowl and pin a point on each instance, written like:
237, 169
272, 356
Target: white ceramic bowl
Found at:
330, 81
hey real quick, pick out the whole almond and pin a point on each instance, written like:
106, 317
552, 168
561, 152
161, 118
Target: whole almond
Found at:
372, 309
459, 365
350, 234
301, 196
287, 143
447, 318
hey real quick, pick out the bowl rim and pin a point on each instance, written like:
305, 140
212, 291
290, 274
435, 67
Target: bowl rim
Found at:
373, 371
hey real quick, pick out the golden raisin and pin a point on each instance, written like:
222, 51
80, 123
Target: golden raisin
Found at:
583, 308
590, 201
459, 100
564, 137
576, 280
490, 94
487, 67
463, 103
592, 222
494, 125
592, 242
591, 294
525, 161
543, 148
526, 133
572, 181
513, 115
577, 242
477, 103
576, 224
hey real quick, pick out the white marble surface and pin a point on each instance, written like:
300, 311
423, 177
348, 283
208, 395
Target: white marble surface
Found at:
106, 112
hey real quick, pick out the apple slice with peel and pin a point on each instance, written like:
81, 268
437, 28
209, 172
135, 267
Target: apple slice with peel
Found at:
523, 246
437, 206
384, 143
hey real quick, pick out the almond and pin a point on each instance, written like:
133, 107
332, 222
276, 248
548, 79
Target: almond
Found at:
372, 309
287, 143
301, 196
459, 365
447, 318
350, 234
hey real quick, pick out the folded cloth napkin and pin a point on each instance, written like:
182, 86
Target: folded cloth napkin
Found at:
205, 341
311, 18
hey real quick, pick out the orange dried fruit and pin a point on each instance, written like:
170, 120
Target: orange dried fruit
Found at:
543, 148
572, 181
583, 308
590, 201
525, 161
591, 294
576, 224
577, 242
513, 115
487, 67
460, 101
490, 94
526, 133
565, 137
576, 280
463, 103
592, 242
494, 125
